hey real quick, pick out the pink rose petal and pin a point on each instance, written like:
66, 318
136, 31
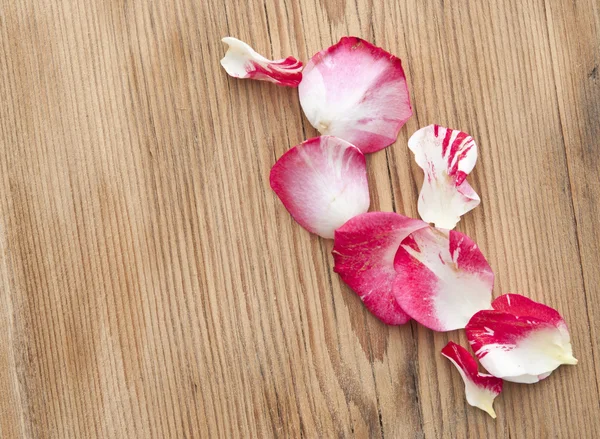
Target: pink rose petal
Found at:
480, 388
446, 157
322, 183
364, 250
356, 91
443, 278
520, 340
241, 61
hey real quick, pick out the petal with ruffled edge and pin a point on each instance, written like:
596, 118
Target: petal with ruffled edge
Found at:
356, 91
241, 61
520, 340
446, 156
442, 278
364, 250
322, 183
480, 388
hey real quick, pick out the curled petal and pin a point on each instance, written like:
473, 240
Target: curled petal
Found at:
520, 340
364, 250
446, 157
480, 388
241, 61
442, 278
356, 91
322, 183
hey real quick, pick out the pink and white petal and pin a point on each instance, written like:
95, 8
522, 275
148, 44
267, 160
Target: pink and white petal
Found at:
442, 278
322, 183
446, 156
480, 388
520, 340
521, 306
356, 91
363, 251
527, 379
443, 204
241, 61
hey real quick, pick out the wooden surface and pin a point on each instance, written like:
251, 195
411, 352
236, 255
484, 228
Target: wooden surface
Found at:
151, 284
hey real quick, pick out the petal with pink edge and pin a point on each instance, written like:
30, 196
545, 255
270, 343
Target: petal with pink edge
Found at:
520, 340
480, 388
322, 183
442, 278
446, 157
241, 61
356, 91
364, 250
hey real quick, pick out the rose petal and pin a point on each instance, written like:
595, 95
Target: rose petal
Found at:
520, 340
527, 379
480, 388
241, 61
322, 183
356, 91
364, 250
446, 157
443, 278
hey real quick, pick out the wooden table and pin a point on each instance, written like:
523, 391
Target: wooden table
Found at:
152, 285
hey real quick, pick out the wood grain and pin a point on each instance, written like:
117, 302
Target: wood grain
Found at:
151, 284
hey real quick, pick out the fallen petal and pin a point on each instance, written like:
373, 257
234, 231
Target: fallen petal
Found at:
446, 157
356, 91
241, 61
527, 379
480, 388
442, 278
520, 340
322, 183
364, 250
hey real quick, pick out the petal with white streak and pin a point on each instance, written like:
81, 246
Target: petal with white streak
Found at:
241, 61
520, 340
322, 183
364, 250
356, 91
443, 278
480, 388
446, 156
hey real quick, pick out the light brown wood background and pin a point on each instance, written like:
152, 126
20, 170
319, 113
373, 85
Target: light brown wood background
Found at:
152, 285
